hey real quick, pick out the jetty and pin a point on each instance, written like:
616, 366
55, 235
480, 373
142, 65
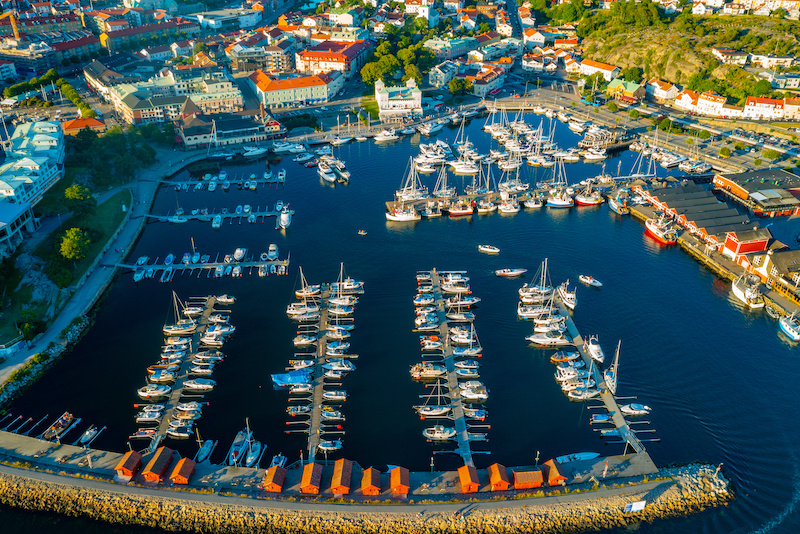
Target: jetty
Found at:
238, 182
210, 268
183, 373
315, 419
222, 216
463, 437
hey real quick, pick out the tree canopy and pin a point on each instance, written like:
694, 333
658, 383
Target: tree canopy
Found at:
79, 199
75, 244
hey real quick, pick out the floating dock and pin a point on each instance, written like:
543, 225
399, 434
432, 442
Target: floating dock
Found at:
456, 404
620, 423
315, 421
209, 268
183, 375
223, 216
239, 183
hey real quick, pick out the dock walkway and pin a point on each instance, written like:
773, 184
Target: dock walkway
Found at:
223, 216
315, 421
622, 426
462, 433
183, 375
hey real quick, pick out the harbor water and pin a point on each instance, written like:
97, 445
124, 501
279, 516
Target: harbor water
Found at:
705, 365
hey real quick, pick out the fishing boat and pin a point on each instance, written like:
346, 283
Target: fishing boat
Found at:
60, 427
577, 457
662, 230
618, 206
592, 346
461, 208
474, 395
590, 281
403, 213
439, 433
747, 292
253, 453
790, 326
510, 273
610, 374
634, 409
240, 444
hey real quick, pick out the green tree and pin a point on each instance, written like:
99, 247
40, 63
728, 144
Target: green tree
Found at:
413, 72
484, 27
460, 86
388, 65
725, 152
612, 106
634, 114
406, 55
632, 74
79, 199
382, 49
201, 47
704, 134
771, 154
665, 124
689, 141
74, 244
738, 145
756, 162
421, 23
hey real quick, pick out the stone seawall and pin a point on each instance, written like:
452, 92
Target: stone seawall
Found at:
683, 491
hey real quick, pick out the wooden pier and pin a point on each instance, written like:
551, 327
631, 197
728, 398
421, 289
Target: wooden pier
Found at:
182, 375
315, 421
208, 268
239, 183
456, 404
626, 434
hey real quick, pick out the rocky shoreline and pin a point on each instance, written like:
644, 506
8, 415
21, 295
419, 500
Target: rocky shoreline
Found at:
685, 490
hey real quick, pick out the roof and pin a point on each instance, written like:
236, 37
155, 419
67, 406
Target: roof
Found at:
146, 28
598, 65
265, 82
756, 234
555, 475
342, 474
132, 459
184, 468
312, 475
275, 475
757, 100
81, 123
159, 462
74, 43
764, 179
786, 261
399, 476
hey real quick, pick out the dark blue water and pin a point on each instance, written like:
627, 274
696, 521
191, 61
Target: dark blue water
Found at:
705, 365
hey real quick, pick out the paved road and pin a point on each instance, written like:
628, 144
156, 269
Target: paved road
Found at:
331, 507
143, 192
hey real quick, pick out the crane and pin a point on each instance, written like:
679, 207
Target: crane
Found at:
10, 15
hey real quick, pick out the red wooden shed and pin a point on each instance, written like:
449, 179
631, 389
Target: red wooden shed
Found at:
342, 475
371, 481
157, 466
312, 479
498, 478
528, 479
129, 464
468, 476
399, 481
182, 472
274, 479
555, 475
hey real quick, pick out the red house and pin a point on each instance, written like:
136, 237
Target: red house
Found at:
342, 475
468, 476
399, 481
498, 478
157, 466
182, 472
274, 479
528, 479
371, 481
312, 479
737, 244
555, 475
129, 464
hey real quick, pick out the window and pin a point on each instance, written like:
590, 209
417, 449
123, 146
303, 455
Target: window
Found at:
773, 272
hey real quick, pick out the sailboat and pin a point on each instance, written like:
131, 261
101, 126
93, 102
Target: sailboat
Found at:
560, 198
437, 408
180, 326
307, 290
441, 190
610, 374
412, 188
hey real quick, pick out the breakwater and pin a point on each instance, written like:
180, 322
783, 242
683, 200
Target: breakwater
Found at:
677, 491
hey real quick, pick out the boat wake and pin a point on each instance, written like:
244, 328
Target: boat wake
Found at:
790, 506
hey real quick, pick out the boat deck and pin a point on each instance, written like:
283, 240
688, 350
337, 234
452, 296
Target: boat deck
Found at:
183, 375
626, 434
462, 432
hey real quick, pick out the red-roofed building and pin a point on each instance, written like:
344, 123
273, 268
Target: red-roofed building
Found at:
763, 108
687, 100
76, 125
76, 47
498, 477
468, 477
312, 479
274, 479
182, 472
34, 25
112, 39
589, 67
399, 481
566, 44
710, 103
660, 90
342, 56
129, 464
280, 91
342, 476
156, 468
371, 481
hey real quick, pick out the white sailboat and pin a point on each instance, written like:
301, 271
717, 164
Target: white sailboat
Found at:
610, 374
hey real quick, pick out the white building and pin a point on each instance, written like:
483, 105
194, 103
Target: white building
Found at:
710, 103
770, 62
687, 100
763, 108
394, 103
589, 67
7, 70
660, 90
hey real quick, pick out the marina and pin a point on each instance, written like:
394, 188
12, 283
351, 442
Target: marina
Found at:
388, 256
240, 214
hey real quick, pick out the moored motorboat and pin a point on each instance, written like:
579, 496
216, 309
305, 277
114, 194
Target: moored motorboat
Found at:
510, 273
747, 292
634, 409
439, 433
790, 326
590, 281
489, 249
577, 457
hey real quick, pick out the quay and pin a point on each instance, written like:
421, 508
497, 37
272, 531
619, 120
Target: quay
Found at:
456, 404
183, 374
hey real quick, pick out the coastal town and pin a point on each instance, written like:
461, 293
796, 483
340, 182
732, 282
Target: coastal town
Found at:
135, 134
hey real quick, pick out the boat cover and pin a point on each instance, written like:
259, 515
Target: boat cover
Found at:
291, 378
